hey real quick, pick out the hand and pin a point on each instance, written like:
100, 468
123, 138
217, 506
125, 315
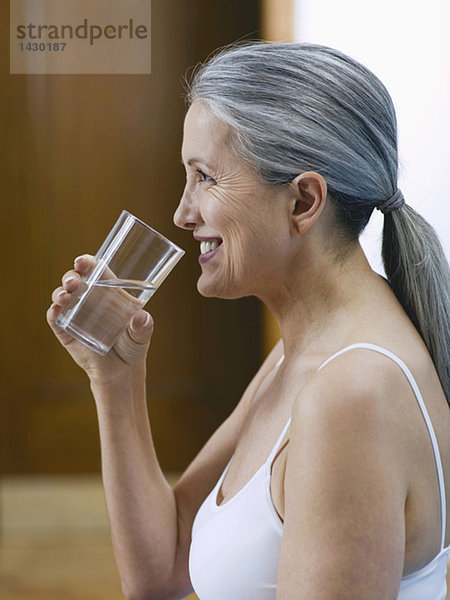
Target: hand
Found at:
129, 351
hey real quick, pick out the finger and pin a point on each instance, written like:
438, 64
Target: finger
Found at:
141, 327
52, 315
85, 264
71, 280
60, 296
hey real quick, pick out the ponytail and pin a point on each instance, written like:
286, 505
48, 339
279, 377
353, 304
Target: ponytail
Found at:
419, 275
296, 107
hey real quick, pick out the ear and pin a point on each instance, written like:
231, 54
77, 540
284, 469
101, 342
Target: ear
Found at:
308, 200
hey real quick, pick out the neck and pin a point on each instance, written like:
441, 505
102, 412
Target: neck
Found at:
317, 301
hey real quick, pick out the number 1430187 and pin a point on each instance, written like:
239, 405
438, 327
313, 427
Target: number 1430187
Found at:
42, 46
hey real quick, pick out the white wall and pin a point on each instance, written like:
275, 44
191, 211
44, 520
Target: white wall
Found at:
407, 45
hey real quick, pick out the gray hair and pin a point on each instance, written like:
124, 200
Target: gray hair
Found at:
296, 107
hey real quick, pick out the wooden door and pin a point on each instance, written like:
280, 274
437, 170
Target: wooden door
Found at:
76, 150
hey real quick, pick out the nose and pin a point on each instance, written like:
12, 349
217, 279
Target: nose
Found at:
187, 215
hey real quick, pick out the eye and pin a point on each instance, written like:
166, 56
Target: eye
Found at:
204, 177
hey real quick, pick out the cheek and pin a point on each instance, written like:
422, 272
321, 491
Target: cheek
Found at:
237, 211
245, 246
242, 235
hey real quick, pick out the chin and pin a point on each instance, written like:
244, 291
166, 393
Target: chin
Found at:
214, 289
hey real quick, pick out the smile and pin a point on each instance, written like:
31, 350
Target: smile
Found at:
208, 248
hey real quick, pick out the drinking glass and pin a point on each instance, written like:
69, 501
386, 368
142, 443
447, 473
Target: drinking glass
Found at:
131, 264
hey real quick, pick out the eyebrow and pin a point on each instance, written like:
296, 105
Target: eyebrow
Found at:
191, 161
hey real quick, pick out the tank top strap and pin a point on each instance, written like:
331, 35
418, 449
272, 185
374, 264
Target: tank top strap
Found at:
278, 443
279, 362
426, 417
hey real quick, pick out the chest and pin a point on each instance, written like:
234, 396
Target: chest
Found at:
258, 459
264, 440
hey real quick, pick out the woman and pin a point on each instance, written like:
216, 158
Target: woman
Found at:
327, 480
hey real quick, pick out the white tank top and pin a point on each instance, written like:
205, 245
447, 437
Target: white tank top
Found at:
235, 547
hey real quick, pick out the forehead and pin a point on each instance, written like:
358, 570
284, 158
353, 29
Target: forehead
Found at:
204, 134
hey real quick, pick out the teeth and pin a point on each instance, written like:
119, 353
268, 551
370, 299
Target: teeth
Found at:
208, 246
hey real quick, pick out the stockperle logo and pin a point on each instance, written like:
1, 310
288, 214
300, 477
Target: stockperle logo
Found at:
80, 37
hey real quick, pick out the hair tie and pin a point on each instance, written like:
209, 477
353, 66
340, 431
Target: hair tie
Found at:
396, 201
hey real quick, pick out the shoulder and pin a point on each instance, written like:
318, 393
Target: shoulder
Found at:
355, 391
345, 483
357, 370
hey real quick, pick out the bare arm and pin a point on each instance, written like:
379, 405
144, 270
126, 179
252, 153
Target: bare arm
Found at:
345, 491
141, 505
150, 523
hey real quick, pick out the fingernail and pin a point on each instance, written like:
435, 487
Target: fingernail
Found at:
69, 279
135, 326
62, 293
79, 257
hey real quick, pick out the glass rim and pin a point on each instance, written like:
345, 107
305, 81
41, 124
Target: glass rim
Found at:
160, 235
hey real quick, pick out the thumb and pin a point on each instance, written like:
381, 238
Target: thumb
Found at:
141, 327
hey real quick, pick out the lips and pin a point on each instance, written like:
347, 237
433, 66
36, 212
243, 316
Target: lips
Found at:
208, 247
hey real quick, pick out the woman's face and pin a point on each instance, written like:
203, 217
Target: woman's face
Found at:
240, 223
